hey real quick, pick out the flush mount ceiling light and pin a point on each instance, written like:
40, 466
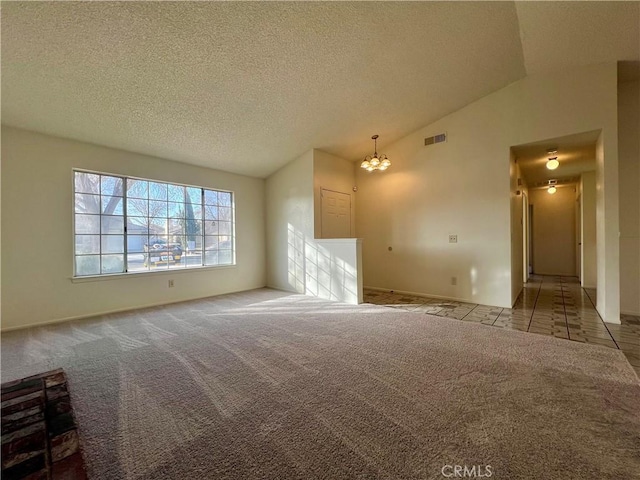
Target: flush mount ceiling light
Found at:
552, 162
551, 190
375, 161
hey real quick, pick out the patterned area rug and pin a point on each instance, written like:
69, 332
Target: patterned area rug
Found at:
39, 434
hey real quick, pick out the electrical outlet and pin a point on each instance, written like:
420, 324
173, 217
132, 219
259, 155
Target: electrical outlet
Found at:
170, 283
454, 280
453, 238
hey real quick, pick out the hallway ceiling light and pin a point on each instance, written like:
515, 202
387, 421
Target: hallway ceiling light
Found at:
551, 190
552, 162
375, 161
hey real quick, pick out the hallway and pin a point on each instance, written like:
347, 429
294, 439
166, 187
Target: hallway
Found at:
549, 305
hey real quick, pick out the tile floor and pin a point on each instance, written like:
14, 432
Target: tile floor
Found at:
549, 305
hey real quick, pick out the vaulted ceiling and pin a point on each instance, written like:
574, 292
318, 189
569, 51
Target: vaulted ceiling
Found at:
247, 86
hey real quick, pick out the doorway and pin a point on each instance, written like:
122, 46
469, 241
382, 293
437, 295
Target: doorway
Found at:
554, 231
545, 225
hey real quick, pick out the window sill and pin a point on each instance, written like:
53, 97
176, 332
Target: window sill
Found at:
117, 276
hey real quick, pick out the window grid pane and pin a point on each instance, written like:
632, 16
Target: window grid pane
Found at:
86, 203
87, 265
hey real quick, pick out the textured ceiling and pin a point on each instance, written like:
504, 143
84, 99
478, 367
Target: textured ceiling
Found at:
248, 86
557, 34
576, 154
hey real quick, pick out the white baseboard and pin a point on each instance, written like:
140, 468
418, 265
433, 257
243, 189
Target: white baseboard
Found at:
426, 295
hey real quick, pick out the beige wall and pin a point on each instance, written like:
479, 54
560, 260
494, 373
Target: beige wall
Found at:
607, 229
332, 173
629, 144
458, 187
37, 240
463, 187
0, 233
588, 231
554, 234
298, 262
290, 223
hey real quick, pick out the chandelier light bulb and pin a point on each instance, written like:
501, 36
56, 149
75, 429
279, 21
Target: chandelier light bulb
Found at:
365, 164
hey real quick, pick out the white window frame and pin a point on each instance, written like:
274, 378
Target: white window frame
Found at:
202, 235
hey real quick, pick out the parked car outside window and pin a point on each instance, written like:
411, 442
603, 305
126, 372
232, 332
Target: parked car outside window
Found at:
157, 252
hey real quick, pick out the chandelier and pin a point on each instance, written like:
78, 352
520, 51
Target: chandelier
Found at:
375, 161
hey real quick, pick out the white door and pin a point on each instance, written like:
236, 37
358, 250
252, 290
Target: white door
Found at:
336, 214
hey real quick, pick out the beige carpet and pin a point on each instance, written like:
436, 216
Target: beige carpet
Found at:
268, 385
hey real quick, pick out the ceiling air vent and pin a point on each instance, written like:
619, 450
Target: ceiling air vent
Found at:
442, 137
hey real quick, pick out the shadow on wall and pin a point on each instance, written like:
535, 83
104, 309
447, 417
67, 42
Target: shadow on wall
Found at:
315, 270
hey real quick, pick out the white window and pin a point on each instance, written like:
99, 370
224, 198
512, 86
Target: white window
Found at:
130, 225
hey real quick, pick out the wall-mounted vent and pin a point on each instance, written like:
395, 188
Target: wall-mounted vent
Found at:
442, 137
